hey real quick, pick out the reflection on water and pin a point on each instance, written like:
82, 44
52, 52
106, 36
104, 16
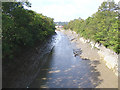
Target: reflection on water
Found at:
63, 70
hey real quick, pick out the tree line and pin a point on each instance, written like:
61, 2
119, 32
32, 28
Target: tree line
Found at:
61, 23
102, 26
22, 28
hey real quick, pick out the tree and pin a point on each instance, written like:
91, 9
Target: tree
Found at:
23, 28
101, 27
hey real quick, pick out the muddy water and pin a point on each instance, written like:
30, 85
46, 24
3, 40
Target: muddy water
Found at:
64, 70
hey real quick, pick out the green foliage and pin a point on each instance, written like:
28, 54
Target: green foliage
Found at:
23, 28
101, 27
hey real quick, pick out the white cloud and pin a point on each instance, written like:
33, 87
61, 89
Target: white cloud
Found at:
66, 10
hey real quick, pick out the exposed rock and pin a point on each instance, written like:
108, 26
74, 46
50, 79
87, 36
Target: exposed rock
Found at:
89, 51
72, 39
77, 52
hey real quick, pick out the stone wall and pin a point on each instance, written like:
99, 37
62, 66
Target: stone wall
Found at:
108, 56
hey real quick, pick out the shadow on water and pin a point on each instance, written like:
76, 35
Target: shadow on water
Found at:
21, 71
58, 68
61, 72
70, 79
41, 77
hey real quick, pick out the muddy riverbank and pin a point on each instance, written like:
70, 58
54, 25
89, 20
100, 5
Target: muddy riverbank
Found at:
58, 65
20, 72
91, 52
64, 69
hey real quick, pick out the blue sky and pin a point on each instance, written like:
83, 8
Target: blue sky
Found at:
66, 10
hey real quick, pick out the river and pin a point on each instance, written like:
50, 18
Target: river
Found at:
63, 70
54, 64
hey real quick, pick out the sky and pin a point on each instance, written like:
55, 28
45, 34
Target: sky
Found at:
66, 10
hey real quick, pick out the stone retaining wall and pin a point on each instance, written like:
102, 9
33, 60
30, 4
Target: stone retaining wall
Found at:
108, 56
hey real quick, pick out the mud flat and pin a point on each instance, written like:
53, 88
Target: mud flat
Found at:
108, 66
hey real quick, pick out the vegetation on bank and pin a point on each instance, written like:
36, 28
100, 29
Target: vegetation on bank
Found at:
102, 27
22, 28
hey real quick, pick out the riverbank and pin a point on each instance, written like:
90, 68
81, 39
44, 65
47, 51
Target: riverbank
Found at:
93, 52
21, 71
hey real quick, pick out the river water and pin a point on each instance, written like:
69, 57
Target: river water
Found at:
63, 70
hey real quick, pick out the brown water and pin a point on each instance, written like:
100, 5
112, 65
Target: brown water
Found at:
63, 70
